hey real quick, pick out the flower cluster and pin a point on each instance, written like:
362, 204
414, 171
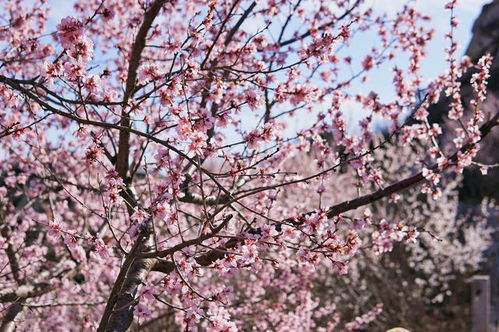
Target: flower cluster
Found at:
113, 184
70, 32
479, 80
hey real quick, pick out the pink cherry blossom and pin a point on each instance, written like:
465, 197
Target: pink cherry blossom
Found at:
70, 29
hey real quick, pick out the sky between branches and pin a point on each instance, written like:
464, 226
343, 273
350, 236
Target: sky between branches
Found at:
380, 80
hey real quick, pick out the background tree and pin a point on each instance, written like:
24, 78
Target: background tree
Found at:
423, 283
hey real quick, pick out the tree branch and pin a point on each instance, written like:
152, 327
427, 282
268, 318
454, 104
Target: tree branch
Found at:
135, 55
218, 253
118, 314
24, 291
322, 27
8, 323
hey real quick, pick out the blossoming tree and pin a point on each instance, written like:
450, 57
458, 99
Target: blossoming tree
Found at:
422, 284
144, 146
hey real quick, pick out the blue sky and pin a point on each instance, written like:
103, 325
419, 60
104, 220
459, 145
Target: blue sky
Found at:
466, 12
380, 80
